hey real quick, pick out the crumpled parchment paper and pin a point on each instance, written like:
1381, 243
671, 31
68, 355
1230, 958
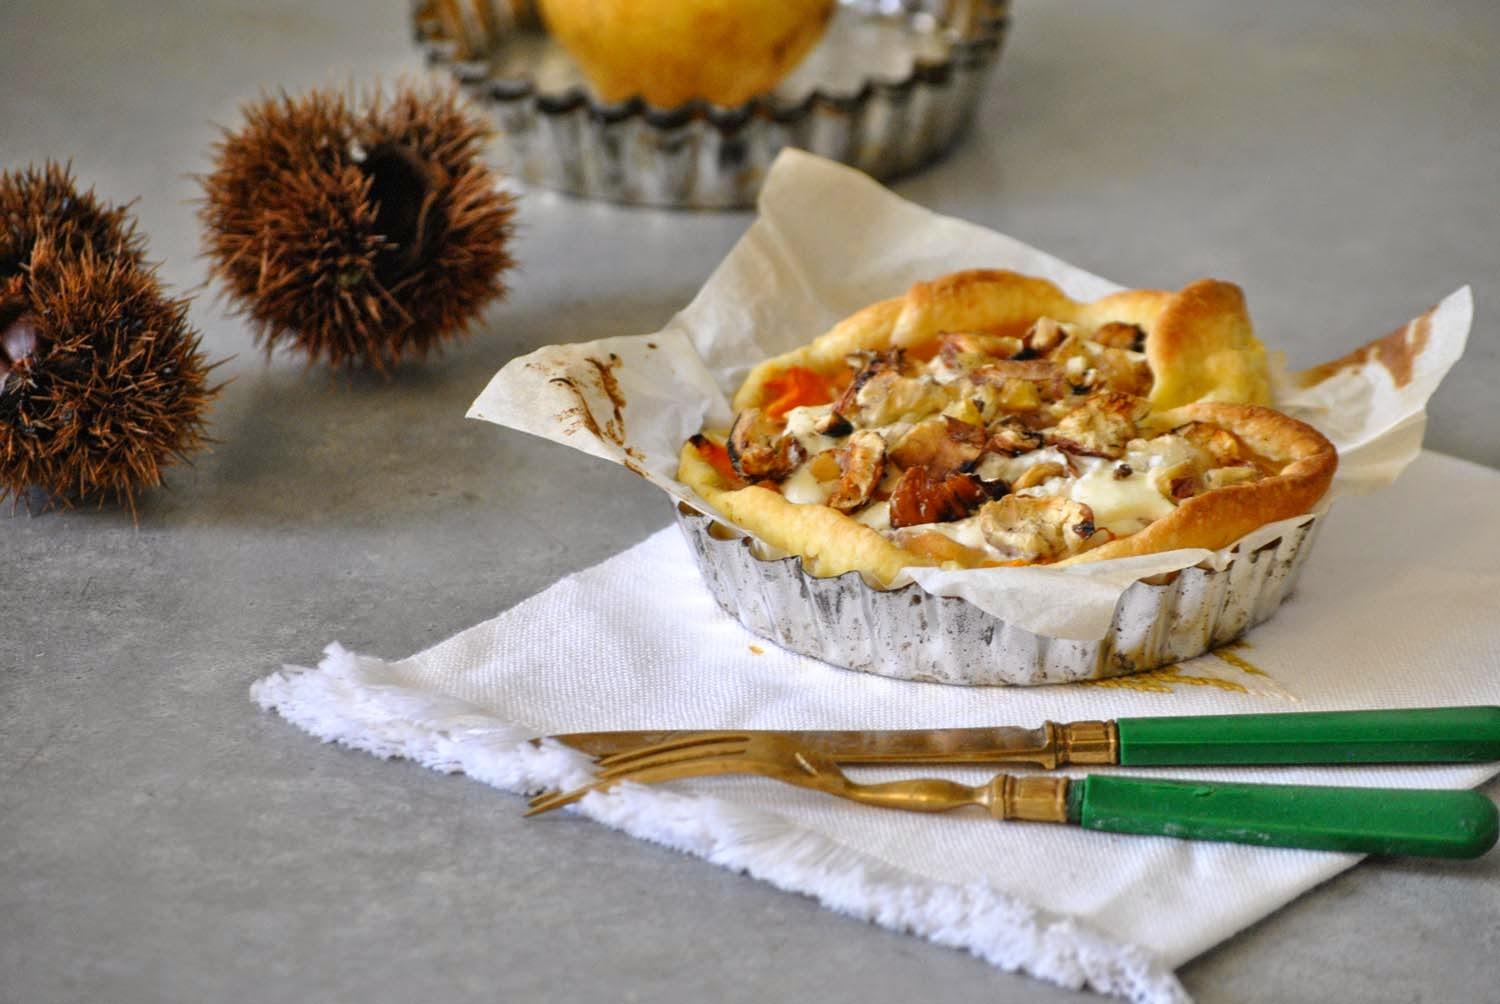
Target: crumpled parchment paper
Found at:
828, 241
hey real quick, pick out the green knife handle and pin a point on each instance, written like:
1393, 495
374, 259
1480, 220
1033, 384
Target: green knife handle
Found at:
1440, 824
1447, 735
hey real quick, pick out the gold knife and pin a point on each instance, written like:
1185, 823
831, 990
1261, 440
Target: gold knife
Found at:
1050, 746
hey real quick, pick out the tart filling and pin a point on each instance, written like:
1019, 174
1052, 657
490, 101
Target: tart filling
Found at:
983, 448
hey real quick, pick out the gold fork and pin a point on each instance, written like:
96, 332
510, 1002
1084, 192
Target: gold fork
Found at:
770, 755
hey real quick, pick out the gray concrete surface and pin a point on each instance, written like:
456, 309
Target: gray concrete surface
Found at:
162, 840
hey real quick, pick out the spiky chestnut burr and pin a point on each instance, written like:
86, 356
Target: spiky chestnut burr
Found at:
37, 200
360, 233
102, 383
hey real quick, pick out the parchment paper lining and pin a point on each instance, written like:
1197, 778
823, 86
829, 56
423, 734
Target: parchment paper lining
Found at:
829, 240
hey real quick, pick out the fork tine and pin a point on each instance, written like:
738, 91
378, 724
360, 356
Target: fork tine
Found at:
734, 764
707, 751
681, 742
547, 801
676, 757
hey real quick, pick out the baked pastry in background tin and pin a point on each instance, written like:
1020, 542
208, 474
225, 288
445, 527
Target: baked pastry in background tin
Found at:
888, 89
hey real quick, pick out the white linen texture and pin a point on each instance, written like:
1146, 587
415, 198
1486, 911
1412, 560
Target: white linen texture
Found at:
1399, 606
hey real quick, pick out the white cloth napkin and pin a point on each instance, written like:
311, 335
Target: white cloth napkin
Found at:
1399, 607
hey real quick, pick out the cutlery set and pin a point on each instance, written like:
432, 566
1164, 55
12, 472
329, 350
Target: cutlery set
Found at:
1390, 821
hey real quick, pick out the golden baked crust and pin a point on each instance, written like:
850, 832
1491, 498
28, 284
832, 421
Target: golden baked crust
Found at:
986, 419
1199, 342
1222, 516
829, 542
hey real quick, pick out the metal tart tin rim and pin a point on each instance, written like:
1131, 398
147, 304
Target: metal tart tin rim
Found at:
910, 634
974, 46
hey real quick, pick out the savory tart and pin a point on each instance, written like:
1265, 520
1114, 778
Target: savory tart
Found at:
1172, 348
986, 419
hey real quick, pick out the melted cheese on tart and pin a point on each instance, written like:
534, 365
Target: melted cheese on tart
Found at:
1000, 467
804, 488
1125, 494
1121, 504
876, 515
963, 531
1122, 493
801, 425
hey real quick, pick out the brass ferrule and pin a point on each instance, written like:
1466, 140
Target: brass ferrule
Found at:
1037, 798
1088, 743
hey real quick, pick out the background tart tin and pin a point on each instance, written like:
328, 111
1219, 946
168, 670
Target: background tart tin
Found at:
890, 87
910, 634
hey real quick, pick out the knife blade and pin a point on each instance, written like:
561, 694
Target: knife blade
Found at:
1050, 745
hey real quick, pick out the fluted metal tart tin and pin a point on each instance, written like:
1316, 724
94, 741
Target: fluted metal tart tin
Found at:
910, 634
892, 86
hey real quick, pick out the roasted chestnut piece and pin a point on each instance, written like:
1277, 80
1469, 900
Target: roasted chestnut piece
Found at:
920, 497
1037, 529
1012, 439
941, 444
1101, 426
863, 462
759, 449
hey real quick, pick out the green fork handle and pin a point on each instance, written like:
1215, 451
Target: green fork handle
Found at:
1421, 735
1397, 821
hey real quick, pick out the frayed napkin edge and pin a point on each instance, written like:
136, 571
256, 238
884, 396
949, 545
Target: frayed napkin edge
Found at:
360, 702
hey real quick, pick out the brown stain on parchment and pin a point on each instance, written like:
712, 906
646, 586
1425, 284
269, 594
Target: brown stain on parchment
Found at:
632, 463
1162, 680
581, 414
614, 429
1397, 352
